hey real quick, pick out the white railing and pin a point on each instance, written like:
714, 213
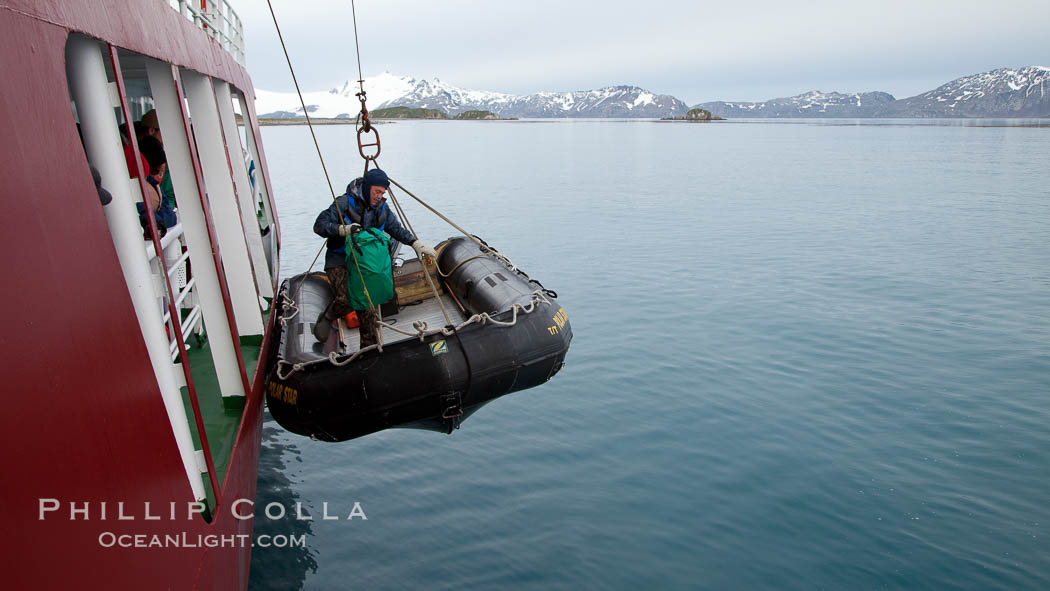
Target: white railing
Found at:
186, 297
218, 19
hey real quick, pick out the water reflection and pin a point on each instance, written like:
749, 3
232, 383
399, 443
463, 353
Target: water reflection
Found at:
279, 568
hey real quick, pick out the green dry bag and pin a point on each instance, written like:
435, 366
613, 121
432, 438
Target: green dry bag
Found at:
368, 267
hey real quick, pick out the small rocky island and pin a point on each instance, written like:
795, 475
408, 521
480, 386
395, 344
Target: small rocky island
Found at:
482, 116
695, 115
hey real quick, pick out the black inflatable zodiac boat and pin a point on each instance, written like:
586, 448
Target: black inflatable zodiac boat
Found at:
506, 334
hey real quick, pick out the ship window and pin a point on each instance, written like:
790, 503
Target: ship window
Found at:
260, 193
259, 197
249, 159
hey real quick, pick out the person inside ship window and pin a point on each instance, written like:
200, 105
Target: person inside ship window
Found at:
129, 154
153, 153
149, 126
363, 206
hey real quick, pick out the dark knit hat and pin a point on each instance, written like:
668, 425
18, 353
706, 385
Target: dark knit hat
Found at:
373, 178
377, 177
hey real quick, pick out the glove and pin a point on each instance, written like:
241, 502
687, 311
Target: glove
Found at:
422, 250
346, 230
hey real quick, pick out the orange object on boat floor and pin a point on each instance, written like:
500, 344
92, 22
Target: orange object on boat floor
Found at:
351, 320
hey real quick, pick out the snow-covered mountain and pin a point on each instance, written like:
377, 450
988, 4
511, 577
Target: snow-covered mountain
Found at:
341, 101
810, 104
388, 90
611, 101
1006, 92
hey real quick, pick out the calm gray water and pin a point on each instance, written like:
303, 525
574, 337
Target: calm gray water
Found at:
807, 355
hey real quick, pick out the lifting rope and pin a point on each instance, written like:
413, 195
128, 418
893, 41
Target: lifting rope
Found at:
426, 272
357, 47
364, 125
309, 123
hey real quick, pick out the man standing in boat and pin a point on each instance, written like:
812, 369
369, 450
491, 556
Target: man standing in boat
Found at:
363, 206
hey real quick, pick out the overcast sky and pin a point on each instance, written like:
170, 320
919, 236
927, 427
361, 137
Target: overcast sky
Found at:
696, 51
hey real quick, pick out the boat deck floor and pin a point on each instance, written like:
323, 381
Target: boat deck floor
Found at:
428, 310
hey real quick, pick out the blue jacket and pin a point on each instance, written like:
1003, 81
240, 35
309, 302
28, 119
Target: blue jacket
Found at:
164, 214
356, 211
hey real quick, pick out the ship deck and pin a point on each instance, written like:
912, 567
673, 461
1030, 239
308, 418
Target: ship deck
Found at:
221, 415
